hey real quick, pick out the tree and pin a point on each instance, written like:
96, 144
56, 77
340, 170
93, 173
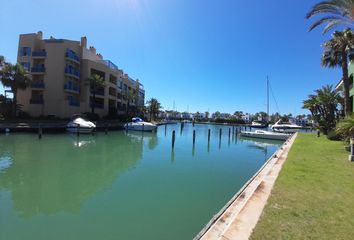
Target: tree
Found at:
323, 106
333, 13
97, 82
238, 114
337, 53
130, 95
15, 78
207, 114
345, 127
153, 107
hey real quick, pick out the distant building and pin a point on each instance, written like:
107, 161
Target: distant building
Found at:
60, 70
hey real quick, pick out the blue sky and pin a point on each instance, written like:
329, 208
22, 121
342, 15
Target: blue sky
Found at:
202, 54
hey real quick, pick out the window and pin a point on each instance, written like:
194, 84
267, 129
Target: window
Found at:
25, 51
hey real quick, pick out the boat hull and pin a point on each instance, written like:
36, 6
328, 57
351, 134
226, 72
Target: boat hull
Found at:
273, 136
84, 130
140, 127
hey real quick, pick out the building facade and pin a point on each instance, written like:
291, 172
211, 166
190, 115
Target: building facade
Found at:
60, 70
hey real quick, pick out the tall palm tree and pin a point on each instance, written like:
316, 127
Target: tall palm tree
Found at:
15, 78
338, 51
97, 82
333, 13
154, 107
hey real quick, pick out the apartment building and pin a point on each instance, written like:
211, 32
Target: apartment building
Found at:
60, 70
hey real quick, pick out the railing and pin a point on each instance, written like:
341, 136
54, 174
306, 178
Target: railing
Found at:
38, 69
37, 85
71, 87
97, 105
74, 103
72, 56
39, 54
98, 92
36, 101
72, 71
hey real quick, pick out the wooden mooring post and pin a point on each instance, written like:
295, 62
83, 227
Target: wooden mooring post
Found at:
173, 138
209, 135
193, 137
40, 131
220, 133
165, 129
78, 130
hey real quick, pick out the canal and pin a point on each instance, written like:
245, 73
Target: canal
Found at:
122, 185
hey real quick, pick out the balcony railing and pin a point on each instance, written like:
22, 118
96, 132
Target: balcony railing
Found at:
98, 92
72, 71
74, 102
37, 85
72, 56
69, 86
98, 105
36, 101
39, 54
38, 69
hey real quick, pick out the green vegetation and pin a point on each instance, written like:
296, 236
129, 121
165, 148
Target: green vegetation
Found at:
338, 51
324, 107
16, 78
333, 13
345, 127
313, 195
97, 82
153, 108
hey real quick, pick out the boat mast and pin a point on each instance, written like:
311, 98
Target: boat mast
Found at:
267, 99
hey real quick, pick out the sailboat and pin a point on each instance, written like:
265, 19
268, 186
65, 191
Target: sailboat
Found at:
263, 124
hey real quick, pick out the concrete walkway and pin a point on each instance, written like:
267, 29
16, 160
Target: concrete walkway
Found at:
239, 217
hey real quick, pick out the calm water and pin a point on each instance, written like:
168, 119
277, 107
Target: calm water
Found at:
121, 186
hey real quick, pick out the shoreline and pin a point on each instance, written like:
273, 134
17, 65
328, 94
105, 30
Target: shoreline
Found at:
240, 215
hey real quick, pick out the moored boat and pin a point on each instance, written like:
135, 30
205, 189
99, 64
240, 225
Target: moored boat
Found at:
265, 135
285, 127
138, 124
81, 125
259, 124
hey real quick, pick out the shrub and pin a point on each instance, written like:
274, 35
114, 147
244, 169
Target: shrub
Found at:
334, 136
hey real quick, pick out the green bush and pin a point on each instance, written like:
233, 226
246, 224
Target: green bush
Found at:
334, 136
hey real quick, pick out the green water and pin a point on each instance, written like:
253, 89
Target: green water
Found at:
121, 186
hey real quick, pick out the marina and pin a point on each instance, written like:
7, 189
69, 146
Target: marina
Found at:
117, 183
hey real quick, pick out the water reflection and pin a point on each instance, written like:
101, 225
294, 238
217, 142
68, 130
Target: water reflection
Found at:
58, 174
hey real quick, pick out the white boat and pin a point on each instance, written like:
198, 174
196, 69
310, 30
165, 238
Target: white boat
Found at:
138, 124
81, 125
265, 135
285, 127
259, 124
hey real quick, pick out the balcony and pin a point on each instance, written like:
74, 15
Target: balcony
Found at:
72, 72
39, 84
39, 54
98, 105
73, 102
98, 92
72, 56
38, 70
36, 101
69, 86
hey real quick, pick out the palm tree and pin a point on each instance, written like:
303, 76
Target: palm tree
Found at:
131, 95
333, 13
15, 78
337, 53
345, 127
96, 83
154, 107
324, 107
2, 61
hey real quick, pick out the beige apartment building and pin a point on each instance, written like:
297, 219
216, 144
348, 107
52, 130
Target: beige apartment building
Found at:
60, 70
